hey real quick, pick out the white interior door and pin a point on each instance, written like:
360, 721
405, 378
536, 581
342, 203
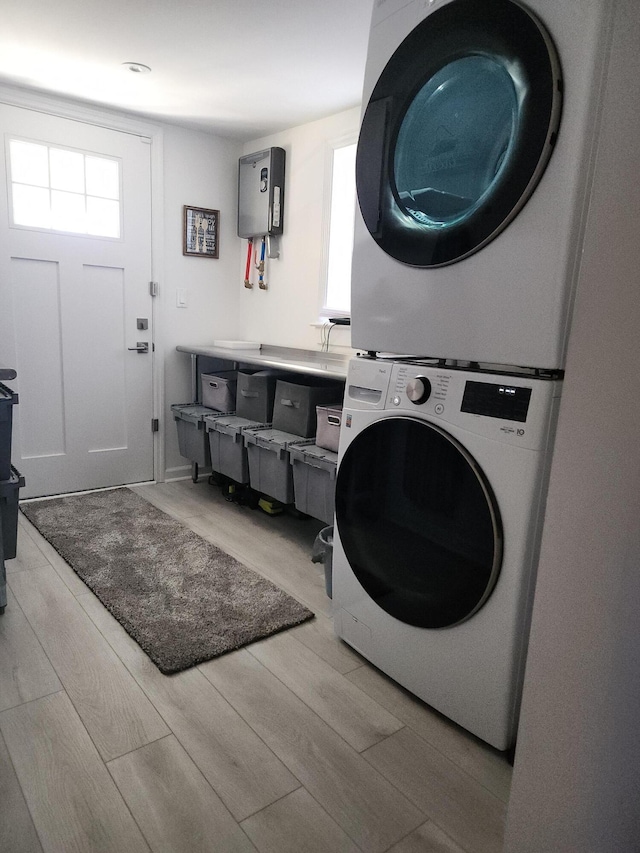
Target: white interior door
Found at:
71, 303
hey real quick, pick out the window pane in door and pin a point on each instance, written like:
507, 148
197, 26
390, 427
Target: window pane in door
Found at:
103, 177
29, 163
65, 190
67, 170
31, 206
103, 217
68, 212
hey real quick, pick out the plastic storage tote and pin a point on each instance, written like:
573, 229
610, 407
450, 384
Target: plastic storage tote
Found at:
329, 423
255, 394
8, 400
219, 390
314, 480
269, 468
295, 403
228, 453
9, 489
192, 436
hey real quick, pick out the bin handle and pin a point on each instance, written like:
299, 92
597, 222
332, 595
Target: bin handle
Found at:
213, 384
248, 393
293, 404
332, 419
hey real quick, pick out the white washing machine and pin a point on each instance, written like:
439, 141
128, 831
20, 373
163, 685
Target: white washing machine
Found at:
480, 124
440, 496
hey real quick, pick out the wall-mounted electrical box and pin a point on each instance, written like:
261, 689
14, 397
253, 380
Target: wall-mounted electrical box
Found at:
261, 193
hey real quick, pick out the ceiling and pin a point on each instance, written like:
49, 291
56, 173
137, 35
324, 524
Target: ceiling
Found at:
238, 68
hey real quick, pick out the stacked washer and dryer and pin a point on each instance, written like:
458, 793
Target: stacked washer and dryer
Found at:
473, 173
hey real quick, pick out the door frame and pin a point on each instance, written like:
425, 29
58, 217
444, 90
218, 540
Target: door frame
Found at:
92, 114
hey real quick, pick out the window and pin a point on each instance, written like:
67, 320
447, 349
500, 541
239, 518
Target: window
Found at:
64, 190
340, 232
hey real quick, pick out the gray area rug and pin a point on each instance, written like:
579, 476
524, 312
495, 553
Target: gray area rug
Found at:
181, 598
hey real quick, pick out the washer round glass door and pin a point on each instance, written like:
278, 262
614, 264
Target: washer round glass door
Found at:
418, 522
458, 131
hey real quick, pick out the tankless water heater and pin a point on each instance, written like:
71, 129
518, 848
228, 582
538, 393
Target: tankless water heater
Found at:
261, 193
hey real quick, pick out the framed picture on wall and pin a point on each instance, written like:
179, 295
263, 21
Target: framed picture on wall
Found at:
201, 232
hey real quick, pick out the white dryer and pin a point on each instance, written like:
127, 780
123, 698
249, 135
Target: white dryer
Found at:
440, 497
479, 125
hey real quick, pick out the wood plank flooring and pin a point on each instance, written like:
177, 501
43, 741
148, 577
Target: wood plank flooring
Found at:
294, 744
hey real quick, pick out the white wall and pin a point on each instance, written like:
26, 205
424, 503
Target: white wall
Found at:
576, 784
283, 315
199, 170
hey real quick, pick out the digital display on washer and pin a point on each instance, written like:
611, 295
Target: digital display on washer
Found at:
496, 401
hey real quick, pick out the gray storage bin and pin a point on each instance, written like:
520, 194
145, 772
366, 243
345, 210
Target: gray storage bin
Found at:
255, 394
192, 436
9, 512
314, 480
294, 409
269, 468
329, 423
219, 390
8, 400
228, 452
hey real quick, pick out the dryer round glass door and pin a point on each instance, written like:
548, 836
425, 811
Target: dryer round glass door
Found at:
458, 131
418, 522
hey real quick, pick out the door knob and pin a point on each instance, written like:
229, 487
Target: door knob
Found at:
141, 346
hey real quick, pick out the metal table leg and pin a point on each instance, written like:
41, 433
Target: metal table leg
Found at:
3, 578
194, 399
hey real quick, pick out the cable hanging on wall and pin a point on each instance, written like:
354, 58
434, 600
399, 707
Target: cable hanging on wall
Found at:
325, 335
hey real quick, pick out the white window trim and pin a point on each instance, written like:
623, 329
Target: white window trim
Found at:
342, 141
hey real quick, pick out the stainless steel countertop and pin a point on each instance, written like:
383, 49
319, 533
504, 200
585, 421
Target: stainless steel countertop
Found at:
332, 365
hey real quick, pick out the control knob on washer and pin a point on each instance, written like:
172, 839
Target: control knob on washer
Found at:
418, 389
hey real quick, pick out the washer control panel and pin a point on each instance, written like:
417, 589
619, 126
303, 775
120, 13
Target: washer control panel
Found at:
418, 389
412, 385
515, 409
501, 400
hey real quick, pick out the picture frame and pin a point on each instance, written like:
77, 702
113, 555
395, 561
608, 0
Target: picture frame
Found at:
201, 232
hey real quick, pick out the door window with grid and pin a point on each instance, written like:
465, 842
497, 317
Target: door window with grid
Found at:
64, 190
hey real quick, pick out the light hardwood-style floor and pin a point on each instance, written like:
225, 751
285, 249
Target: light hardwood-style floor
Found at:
294, 744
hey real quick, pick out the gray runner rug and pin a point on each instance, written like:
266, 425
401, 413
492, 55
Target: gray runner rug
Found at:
182, 599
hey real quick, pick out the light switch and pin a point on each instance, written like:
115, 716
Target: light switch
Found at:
181, 297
